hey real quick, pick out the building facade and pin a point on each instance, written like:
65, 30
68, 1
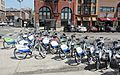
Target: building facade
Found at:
108, 12
2, 10
78, 12
13, 15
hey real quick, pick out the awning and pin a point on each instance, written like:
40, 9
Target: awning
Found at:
108, 19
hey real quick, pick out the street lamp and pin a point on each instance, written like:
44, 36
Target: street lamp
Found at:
20, 1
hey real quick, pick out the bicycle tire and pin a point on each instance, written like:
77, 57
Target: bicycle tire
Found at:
62, 56
77, 58
17, 57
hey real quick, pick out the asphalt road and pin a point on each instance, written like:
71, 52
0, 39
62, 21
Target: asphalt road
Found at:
51, 65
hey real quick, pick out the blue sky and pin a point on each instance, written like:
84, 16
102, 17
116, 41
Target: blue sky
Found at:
15, 4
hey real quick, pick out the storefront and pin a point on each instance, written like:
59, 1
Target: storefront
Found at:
108, 21
87, 22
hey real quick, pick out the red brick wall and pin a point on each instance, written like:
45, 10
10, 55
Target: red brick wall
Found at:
61, 5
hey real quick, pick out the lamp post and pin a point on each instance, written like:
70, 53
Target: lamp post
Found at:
20, 1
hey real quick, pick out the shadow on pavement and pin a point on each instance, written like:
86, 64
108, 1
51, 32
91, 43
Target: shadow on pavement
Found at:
13, 58
111, 73
71, 62
57, 58
93, 67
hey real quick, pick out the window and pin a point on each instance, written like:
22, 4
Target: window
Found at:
79, 9
79, 1
93, 1
66, 13
87, 1
118, 9
107, 9
45, 13
93, 10
86, 10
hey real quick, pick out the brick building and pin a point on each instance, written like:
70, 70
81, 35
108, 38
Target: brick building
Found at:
78, 12
13, 14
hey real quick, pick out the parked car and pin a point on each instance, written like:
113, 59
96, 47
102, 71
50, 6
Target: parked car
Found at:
81, 29
11, 24
69, 28
110, 29
3, 23
101, 28
72, 28
94, 29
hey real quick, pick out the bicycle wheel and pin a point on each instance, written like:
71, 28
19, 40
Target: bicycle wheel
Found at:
77, 58
107, 63
19, 54
6, 45
62, 55
53, 50
42, 52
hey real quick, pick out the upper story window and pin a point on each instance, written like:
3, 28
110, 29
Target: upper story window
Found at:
107, 9
93, 1
86, 10
87, 1
118, 9
79, 1
79, 9
93, 10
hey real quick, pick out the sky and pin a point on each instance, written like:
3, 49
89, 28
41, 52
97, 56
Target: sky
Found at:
16, 4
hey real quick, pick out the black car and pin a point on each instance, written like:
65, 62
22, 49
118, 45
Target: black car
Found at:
110, 29
69, 28
118, 28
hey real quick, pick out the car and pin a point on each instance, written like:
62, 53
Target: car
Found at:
110, 29
11, 24
81, 29
69, 28
94, 29
3, 23
101, 28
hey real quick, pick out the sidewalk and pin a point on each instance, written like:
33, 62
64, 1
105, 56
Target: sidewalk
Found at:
57, 29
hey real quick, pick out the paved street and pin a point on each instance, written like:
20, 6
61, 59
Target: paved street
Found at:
51, 65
